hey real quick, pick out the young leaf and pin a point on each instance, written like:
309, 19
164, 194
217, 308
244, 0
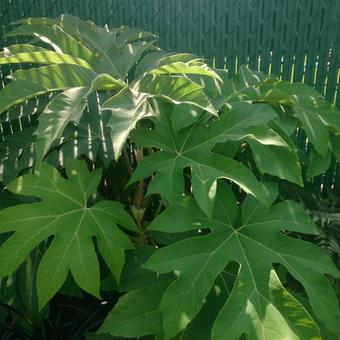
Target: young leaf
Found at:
63, 213
258, 304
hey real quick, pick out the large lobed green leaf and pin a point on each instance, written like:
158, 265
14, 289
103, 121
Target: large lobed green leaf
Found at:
63, 213
192, 147
258, 304
317, 116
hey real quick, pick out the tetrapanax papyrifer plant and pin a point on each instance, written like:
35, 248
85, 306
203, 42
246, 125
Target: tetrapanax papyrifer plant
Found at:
150, 174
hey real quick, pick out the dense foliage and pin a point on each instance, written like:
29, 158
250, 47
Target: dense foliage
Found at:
153, 185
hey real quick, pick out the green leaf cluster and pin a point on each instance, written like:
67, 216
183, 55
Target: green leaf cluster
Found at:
127, 169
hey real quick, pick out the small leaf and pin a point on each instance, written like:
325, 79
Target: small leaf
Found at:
278, 161
137, 313
315, 129
317, 164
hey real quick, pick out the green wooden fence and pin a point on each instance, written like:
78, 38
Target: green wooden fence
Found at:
298, 40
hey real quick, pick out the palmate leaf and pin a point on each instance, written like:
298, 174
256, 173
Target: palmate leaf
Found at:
258, 305
63, 213
191, 147
83, 44
54, 36
85, 59
303, 106
315, 114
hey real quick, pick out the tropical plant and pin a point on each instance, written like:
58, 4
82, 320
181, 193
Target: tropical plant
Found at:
157, 184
